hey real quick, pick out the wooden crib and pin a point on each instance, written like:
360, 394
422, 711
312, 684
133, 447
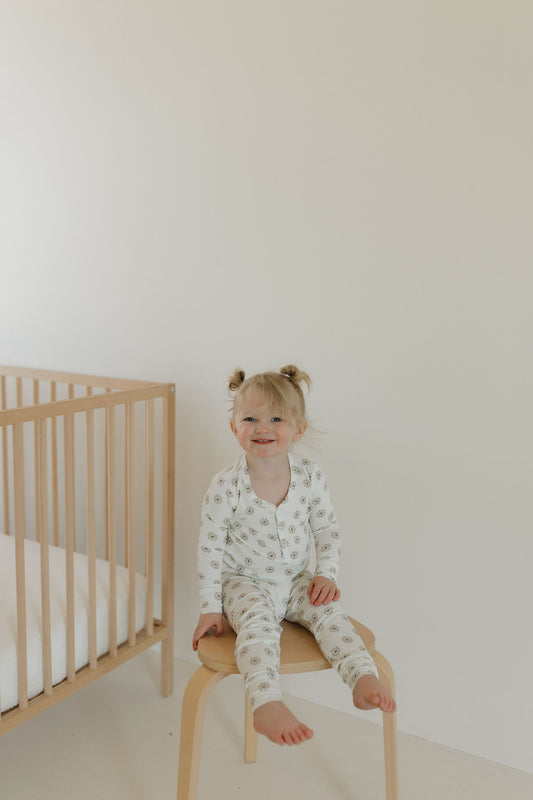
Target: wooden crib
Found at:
87, 532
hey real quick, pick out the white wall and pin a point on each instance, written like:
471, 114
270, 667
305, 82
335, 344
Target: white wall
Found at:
187, 187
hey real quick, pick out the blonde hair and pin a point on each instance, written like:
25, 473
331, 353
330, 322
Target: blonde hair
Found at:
281, 389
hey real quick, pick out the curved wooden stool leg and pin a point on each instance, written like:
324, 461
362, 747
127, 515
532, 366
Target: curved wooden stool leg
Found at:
250, 733
389, 730
198, 690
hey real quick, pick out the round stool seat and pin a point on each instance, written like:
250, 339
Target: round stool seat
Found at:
299, 650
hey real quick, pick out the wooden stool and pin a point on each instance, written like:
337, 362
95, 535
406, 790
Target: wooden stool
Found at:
299, 653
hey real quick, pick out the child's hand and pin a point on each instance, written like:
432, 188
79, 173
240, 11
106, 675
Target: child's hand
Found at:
205, 623
322, 591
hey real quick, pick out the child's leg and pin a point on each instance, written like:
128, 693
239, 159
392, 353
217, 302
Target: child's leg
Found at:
252, 614
340, 643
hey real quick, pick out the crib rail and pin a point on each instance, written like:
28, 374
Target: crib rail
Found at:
71, 378
109, 451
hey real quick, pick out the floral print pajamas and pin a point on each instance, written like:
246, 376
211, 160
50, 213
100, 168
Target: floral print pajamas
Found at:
252, 559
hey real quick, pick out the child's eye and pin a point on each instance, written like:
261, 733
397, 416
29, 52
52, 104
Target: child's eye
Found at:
250, 419
276, 419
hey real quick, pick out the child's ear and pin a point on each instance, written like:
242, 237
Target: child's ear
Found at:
232, 426
302, 427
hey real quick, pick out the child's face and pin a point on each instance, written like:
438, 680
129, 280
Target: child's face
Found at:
261, 430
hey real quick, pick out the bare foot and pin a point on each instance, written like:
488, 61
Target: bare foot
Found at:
370, 693
277, 723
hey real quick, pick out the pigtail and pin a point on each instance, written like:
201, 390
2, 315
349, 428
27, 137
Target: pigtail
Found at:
296, 375
236, 379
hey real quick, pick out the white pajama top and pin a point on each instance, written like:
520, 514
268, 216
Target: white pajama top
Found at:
242, 534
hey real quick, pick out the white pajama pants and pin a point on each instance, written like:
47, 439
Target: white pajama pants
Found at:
255, 608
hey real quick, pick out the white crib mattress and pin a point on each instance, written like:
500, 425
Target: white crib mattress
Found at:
58, 612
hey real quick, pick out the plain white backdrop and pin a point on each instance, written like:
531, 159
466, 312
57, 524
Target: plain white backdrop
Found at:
190, 187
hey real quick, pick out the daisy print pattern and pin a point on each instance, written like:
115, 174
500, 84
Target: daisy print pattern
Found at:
232, 516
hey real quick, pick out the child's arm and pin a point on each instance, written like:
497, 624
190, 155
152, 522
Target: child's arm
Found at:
216, 513
323, 587
211, 547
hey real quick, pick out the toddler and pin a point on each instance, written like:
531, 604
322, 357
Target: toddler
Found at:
261, 517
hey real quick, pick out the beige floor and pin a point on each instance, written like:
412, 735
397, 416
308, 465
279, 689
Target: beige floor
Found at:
118, 740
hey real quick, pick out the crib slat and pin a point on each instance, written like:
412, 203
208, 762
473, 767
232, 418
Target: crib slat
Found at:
19, 392
164, 511
130, 520
126, 493
36, 462
91, 546
69, 540
149, 512
45, 571
55, 487
110, 528
167, 556
18, 474
5, 471
106, 485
